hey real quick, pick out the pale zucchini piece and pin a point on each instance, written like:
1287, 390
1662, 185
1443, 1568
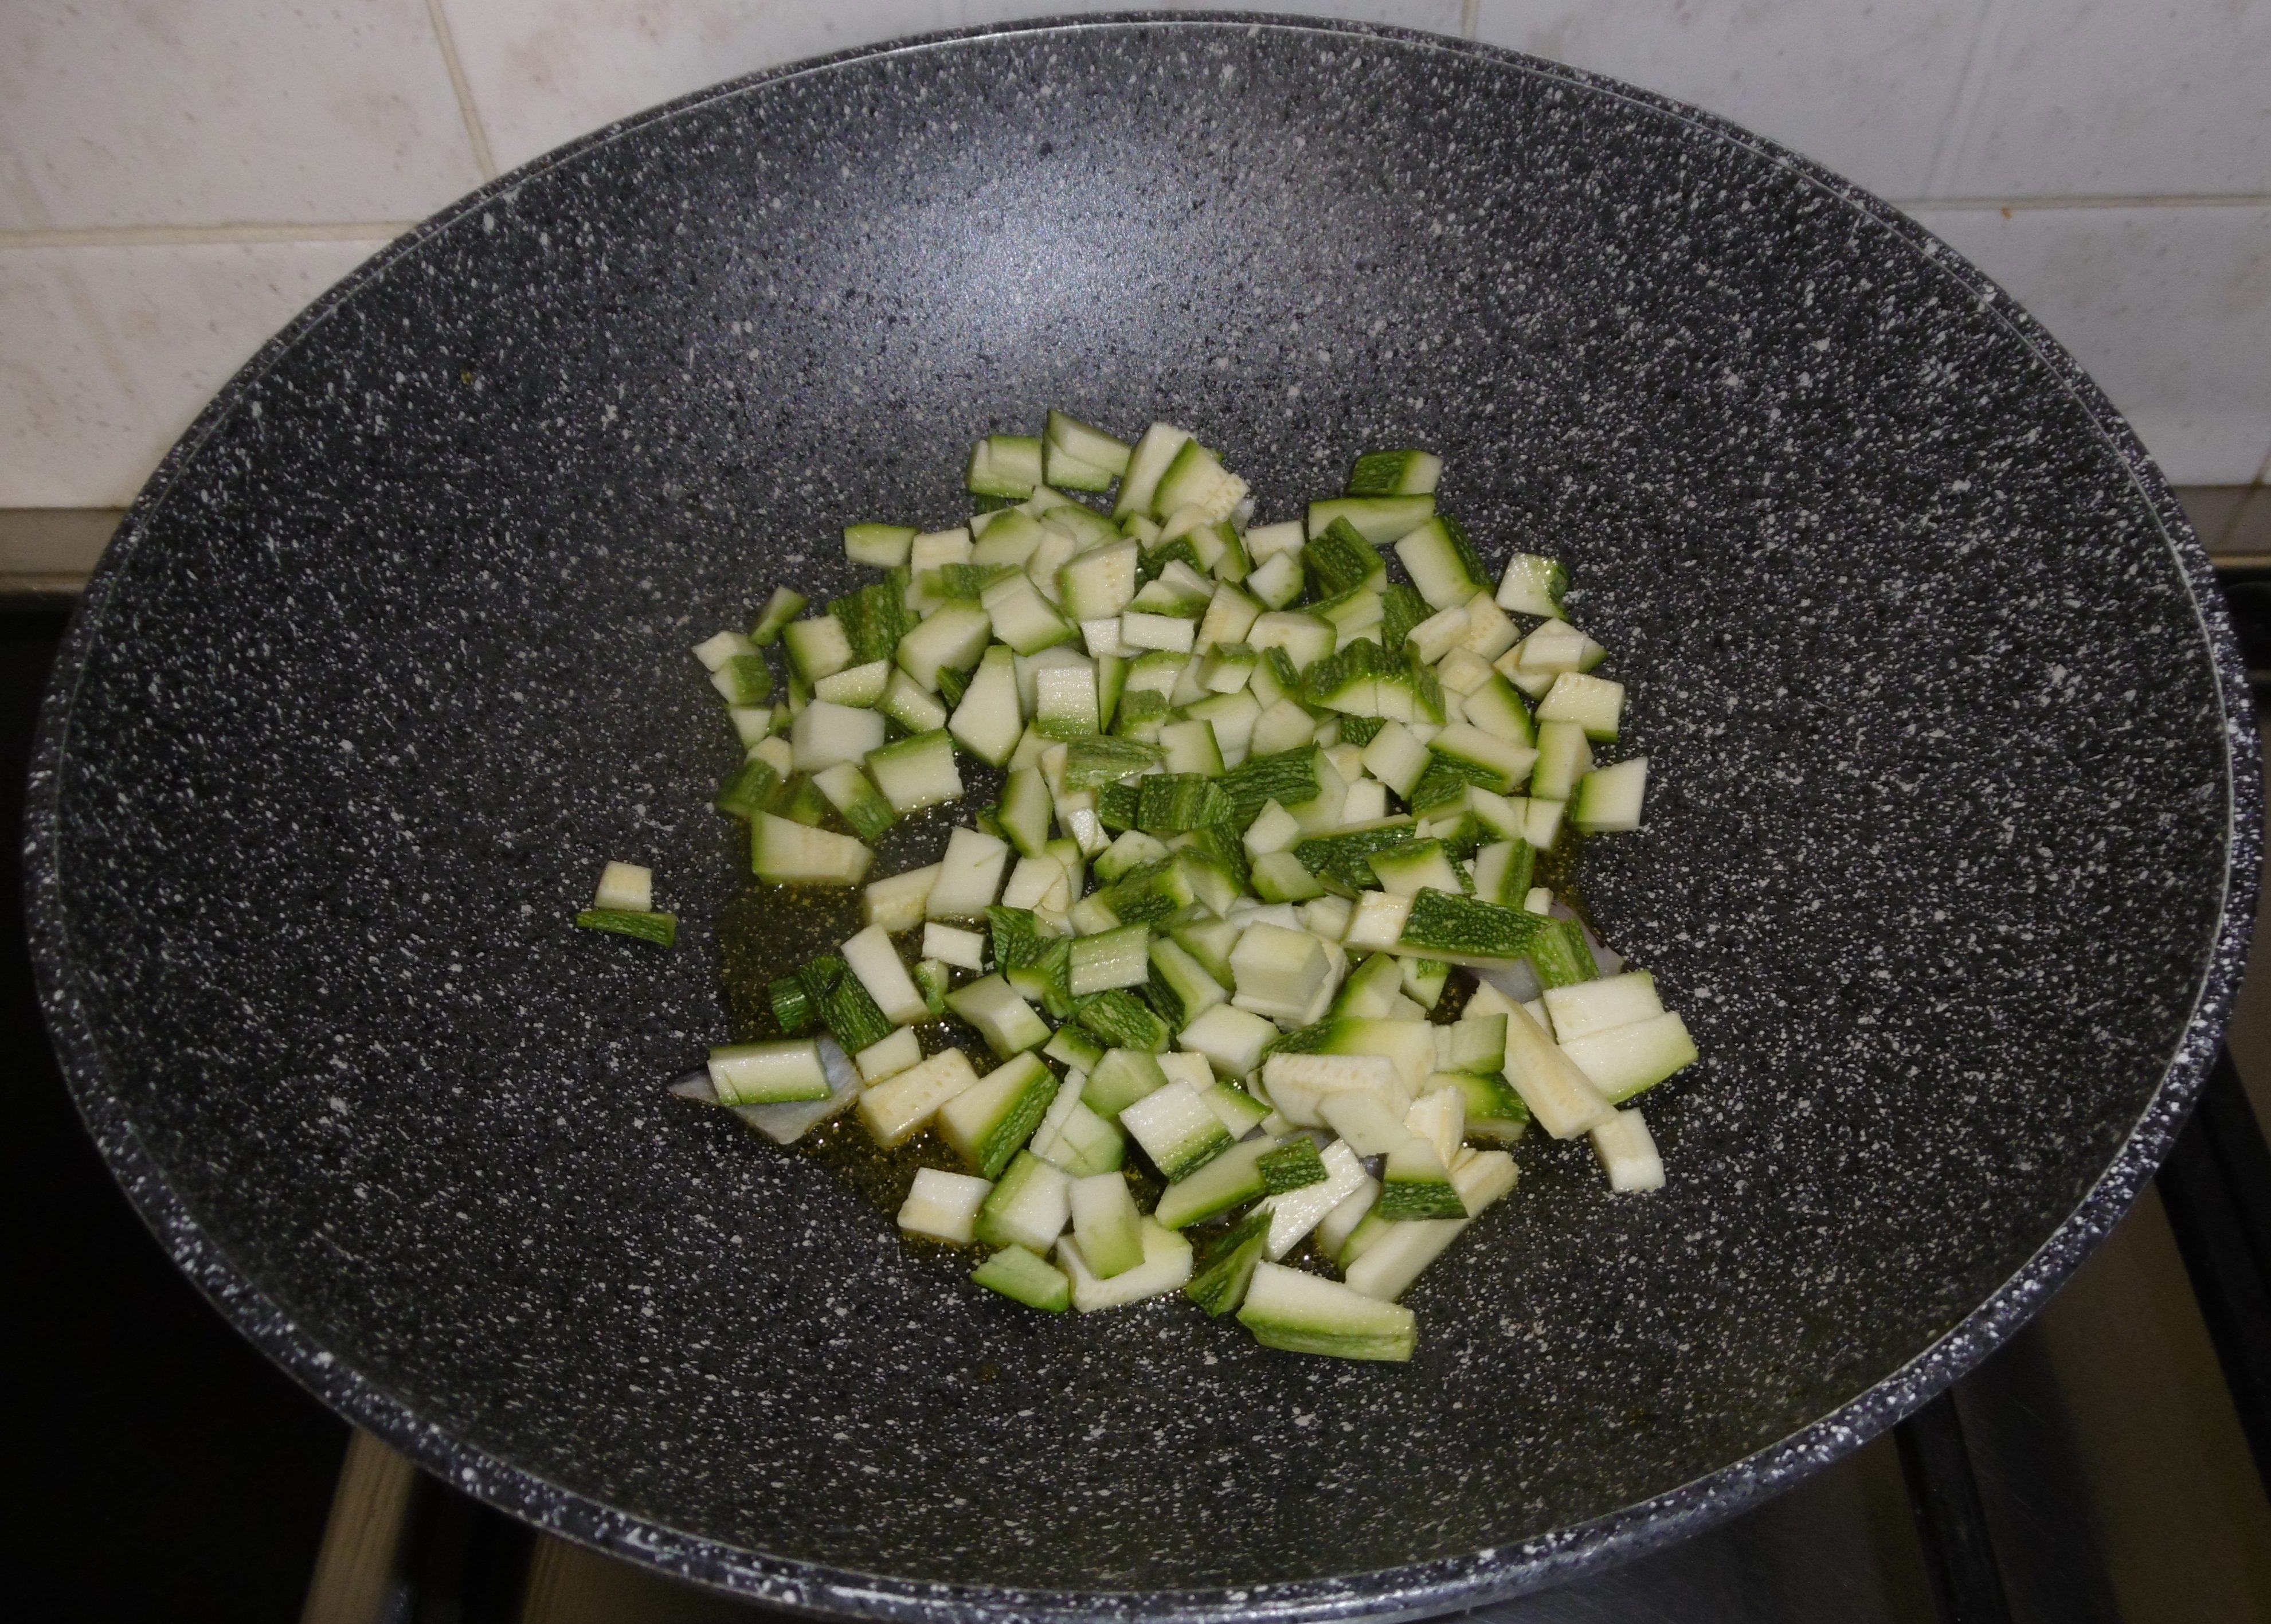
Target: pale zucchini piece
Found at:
789, 853
1385, 1269
1300, 1313
989, 721
1306, 638
897, 903
764, 1073
1440, 1119
1294, 1213
1273, 829
1564, 755
824, 735
1169, 632
1377, 925
1378, 519
1483, 1178
626, 887
1560, 1096
1442, 563
872, 958
1278, 582
934, 549
1232, 1039
1098, 585
1021, 1276
1628, 1153
1118, 957
1006, 1021
969, 877
1074, 1138
1086, 442
1416, 866
889, 1057
1265, 543
1166, 1265
716, 653
1177, 1128
860, 686
1299, 1084
897, 1109
1608, 799
1489, 633
818, 648
1590, 1006
1541, 820
1594, 704
943, 1206
951, 944
855, 800
1625, 1061
951, 639
1533, 585
1335, 1228
1029, 1207
1106, 1224
1283, 726
916, 772
1023, 618
905, 702
1279, 972
1230, 1179
1148, 459
1362, 1119
990, 1122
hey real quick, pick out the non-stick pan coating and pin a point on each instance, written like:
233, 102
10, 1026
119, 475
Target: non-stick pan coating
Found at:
1950, 848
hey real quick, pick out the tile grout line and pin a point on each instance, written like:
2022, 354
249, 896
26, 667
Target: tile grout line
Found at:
474, 129
192, 236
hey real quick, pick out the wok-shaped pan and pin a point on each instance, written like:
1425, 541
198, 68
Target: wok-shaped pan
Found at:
1950, 854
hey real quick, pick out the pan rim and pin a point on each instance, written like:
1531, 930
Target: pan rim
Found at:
1411, 1591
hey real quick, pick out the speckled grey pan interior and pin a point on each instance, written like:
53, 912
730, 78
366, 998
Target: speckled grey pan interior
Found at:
1951, 848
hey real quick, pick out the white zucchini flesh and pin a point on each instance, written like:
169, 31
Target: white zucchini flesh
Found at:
1595, 703
1306, 1313
969, 877
1106, 1224
1623, 1061
873, 959
943, 1206
790, 1120
1298, 1084
789, 853
764, 1073
1232, 1039
1608, 799
1294, 1213
1388, 1267
1483, 1178
989, 721
1333, 1229
1629, 1154
1441, 1120
1167, 1267
889, 1056
1362, 1119
1278, 972
1589, 1007
1560, 1096
896, 904
626, 886
824, 735
896, 1110
916, 772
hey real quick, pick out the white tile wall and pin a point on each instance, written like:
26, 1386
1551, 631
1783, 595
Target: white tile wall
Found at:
203, 112
107, 353
177, 177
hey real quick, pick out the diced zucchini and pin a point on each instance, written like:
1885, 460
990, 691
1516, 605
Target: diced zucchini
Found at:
1230, 1179
1177, 1128
625, 888
951, 640
1378, 519
1023, 618
1106, 1224
1625, 1061
988, 1122
1277, 583
1179, 986
1590, 1006
1227, 1266
1122, 1077
969, 877
1608, 799
1074, 1138
1559, 1094
989, 721
1300, 1313
1628, 1153
1424, 980
1389, 1258
1394, 473
1029, 1207
1341, 1221
1196, 478
1443, 563
1020, 1276
1004, 464
1065, 704
855, 799
890, 1057
914, 773
1006, 1021
824, 735
896, 904
1279, 876
1232, 1039
790, 853
1148, 459
1594, 704
1533, 585
943, 1206
1086, 444
905, 702
745, 680
871, 958
818, 648
1413, 866
780, 608
758, 1074
1122, 1020
1120, 957
883, 545
1306, 638
1280, 972
898, 1108
1239, 1111
1166, 1265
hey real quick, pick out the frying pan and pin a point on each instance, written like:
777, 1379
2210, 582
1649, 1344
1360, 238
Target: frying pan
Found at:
1949, 860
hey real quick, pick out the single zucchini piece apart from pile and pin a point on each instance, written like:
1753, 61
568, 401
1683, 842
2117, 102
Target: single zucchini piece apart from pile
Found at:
1301, 1312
